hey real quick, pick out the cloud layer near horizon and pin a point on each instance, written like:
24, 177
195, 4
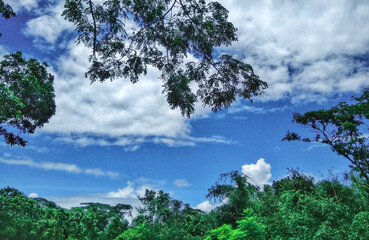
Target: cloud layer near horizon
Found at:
57, 166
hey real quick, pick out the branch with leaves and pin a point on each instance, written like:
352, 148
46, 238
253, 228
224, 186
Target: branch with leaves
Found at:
344, 128
163, 35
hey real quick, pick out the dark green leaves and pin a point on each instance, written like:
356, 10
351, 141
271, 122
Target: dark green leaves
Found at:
27, 96
344, 128
163, 33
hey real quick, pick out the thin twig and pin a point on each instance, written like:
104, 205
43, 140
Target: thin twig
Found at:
95, 30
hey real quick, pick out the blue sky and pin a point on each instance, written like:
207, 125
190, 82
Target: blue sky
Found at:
109, 142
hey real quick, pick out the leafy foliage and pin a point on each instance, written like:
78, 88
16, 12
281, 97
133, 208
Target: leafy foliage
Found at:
162, 217
233, 189
26, 92
164, 35
38, 218
344, 128
295, 207
27, 96
248, 228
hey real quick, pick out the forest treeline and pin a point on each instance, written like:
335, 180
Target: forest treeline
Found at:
295, 207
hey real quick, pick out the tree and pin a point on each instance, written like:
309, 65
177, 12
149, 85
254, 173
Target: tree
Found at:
27, 96
237, 194
18, 215
26, 93
97, 221
164, 218
344, 128
166, 33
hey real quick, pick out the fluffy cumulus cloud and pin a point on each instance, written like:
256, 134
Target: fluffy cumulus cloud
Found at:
304, 50
48, 27
127, 192
33, 195
64, 167
258, 173
116, 113
117, 108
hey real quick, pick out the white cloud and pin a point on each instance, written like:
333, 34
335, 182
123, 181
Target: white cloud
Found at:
191, 141
140, 191
130, 191
42, 149
112, 174
181, 183
33, 195
19, 5
304, 50
257, 110
65, 167
116, 113
131, 148
258, 173
314, 145
205, 206
118, 110
127, 192
49, 26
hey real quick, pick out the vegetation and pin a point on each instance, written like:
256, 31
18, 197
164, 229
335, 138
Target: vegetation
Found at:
295, 207
345, 129
26, 93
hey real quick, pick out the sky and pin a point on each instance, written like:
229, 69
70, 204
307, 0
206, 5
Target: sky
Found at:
110, 141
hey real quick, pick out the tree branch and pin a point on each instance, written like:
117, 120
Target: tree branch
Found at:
95, 30
146, 26
210, 61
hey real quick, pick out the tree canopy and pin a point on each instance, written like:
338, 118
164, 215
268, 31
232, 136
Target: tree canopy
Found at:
294, 207
27, 96
181, 38
344, 128
26, 93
